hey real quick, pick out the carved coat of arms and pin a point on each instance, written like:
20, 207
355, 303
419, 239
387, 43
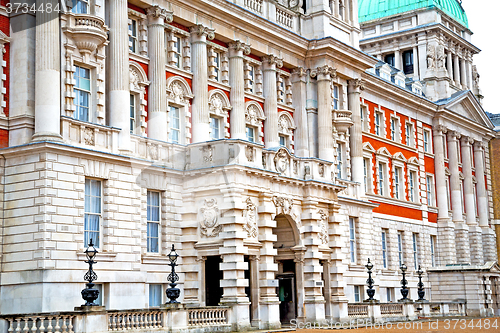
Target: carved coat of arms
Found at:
209, 223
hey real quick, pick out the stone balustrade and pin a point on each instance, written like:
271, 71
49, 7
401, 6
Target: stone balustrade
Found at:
89, 135
274, 12
167, 318
88, 31
351, 189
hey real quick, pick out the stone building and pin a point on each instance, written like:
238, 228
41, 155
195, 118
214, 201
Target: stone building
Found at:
277, 144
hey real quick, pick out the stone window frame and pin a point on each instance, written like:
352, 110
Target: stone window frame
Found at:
448, 187
258, 76
400, 237
382, 129
410, 139
256, 120
368, 152
284, 87
286, 127
397, 129
185, 63
142, 32
220, 109
101, 215
413, 167
365, 117
383, 157
138, 84
223, 52
159, 222
353, 238
385, 232
432, 249
429, 141
415, 249
179, 95
399, 161
432, 190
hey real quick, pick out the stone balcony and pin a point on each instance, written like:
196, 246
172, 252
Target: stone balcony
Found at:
87, 31
342, 120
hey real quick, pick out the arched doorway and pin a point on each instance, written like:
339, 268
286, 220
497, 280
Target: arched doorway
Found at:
287, 240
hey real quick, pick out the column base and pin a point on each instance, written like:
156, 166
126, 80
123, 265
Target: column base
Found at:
339, 309
462, 243
489, 244
315, 311
476, 245
239, 316
270, 314
47, 136
446, 245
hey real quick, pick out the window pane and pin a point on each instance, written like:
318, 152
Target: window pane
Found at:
152, 236
155, 295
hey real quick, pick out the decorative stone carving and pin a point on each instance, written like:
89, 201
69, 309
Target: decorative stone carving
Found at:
475, 77
156, 12
307, 169
326, 71
440, 129
208, 152
264, 162
440, 57
356, 85
272, 59
299, 71
321, 170
323, 224
249, 153
153, 151
283, 205
431, 57
201, 30
209, 224
134, 78
251, 115
177, 93
216, 104
295, 167
281, 160
88, 136
250, 214
240, 46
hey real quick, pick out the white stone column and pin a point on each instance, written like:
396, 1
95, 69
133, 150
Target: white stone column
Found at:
119, 74
475, 238
254, 290
269, 64
47, 75
482, 197
324, 76
356, 141
450, 64
157, 98
327, 289
461, 229
299, 93
397, 59
422, 54
299, 281
200, 122
463, 73
415, 62
456, 70
237, 83
470, 81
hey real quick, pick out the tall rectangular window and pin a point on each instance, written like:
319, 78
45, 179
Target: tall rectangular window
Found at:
365, 173
433, 248
155, 295
352, 239
408, 62
153, 212
132, 113
177, 51
388, 294
282, 140
214, 128
409, 135
377, 123
336, 97
357, 294
174, 124
93, 211
250, 134
400, 248
217, 60
381, 182
251, 74
413, 177
429, 190
339, 161
384, 249
80, 6
397, 182
132, 35
415, 251
82, 93
427, 147
393, 129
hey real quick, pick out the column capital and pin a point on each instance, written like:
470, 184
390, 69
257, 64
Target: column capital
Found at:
453, 135
356, 86
325, 72
271, 60
466, 140
201, 31
440, 129
299, 74
156, 12
238, 46
479, 145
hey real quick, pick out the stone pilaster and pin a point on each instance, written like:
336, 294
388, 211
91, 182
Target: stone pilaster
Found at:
456, 70
324, 76
314, 301
269, 64
463, 74
299, 93
157, 98
200, 113
446, 235
255, 290
47, 75
461, 229
299, 278
356, 141
269, 302
118, 69
449, 63
237, 83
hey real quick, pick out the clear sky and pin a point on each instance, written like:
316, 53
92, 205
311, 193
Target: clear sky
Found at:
483, 16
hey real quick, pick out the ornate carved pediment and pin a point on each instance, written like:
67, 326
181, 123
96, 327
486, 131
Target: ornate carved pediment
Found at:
178, 90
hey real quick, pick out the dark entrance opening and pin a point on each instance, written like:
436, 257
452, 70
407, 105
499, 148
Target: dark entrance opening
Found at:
213, 276
249, 278
286, 292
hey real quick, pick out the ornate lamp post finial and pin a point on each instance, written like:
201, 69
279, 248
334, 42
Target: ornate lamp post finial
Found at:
173, 293
404, 283
370, 291
421, 291
89, 294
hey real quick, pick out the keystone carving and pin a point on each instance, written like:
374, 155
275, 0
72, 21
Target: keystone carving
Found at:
283, 205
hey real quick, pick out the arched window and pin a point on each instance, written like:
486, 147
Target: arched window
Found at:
254, 116
286, 125
219, 108
138, 83
179, 96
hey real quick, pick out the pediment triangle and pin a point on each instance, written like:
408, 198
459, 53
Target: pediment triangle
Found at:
468, 107
384, 151
368, 147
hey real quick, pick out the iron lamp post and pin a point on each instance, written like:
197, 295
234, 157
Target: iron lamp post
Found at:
173, 293
89, 294
421, 291
370, 291
404, 283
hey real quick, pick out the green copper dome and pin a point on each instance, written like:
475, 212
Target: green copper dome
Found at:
375, 9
